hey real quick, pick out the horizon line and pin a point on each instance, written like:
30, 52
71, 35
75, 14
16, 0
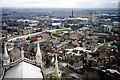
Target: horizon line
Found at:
59, 8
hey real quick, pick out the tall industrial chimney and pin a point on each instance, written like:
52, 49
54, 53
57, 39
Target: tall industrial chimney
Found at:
72, 13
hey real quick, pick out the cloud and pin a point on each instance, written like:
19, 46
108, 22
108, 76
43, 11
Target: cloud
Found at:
61, 3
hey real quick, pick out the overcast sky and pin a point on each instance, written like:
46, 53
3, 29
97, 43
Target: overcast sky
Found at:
61, 3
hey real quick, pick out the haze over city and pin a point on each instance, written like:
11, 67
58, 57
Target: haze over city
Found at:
60, 3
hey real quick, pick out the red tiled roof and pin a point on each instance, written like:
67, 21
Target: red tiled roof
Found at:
9, 46
39, 38
116, 29
103, 54
91, 29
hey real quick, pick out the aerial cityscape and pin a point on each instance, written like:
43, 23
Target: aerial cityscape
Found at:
60, 42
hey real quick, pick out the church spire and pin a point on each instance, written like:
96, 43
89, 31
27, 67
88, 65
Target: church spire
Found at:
6, 57
22, 53
56, 66
38, 55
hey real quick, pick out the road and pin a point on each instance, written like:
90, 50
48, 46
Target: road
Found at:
26, 36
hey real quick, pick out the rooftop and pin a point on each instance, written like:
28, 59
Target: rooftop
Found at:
24, 70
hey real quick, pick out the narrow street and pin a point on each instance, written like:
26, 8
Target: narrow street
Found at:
62, 66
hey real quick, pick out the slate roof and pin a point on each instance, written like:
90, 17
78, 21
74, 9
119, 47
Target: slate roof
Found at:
23, 70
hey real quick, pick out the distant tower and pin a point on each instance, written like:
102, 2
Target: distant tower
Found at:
38, 56
6, 58
92, 17
72, 14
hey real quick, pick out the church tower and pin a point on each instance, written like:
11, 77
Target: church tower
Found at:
92, 20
